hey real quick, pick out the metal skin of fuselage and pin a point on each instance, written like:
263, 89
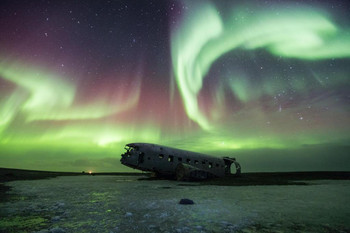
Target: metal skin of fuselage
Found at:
176, 163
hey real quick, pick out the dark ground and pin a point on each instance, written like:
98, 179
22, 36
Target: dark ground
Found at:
245, 179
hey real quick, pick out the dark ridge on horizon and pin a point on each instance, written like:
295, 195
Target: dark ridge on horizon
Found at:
278, 178
11, 174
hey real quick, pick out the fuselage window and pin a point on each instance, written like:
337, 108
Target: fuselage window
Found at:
179, 159
161, 156
203, 162
210, 165
170, 158
196, 162
188, 160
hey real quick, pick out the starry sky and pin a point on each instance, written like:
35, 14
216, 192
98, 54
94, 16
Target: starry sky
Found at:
266, 82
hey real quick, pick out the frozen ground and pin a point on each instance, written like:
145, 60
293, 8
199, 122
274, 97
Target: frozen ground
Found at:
125, 204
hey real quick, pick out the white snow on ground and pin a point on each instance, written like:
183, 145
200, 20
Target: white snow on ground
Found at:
125, 204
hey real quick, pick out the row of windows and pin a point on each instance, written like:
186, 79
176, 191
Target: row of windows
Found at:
179, 159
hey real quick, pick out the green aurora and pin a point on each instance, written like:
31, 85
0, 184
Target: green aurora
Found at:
269, 85
204, 37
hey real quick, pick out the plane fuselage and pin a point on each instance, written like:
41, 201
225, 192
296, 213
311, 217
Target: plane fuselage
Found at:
169, 161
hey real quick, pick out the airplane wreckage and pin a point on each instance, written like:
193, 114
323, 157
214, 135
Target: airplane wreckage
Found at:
180, 164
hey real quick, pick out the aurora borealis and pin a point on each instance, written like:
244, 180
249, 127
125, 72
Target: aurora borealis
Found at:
264, 81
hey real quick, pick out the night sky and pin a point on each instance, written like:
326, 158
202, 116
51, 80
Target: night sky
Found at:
267, 82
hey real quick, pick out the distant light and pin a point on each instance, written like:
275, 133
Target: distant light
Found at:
90, 172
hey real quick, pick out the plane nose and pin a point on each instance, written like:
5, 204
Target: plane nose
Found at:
122, 159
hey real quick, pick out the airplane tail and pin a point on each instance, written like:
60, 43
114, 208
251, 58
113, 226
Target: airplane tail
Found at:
228, 162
